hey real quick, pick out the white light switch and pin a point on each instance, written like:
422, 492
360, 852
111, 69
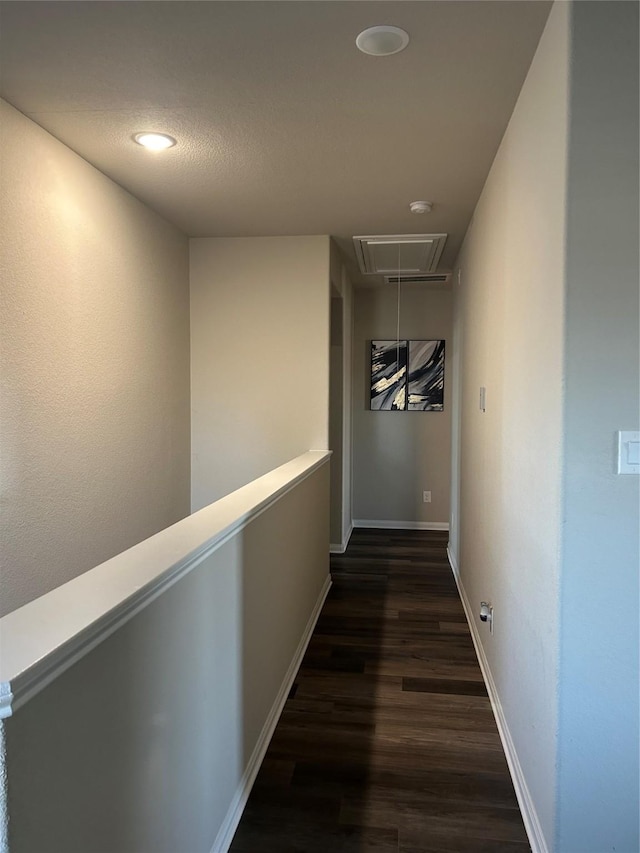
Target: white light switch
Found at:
628, 452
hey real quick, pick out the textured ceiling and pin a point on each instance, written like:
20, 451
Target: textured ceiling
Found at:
283, 126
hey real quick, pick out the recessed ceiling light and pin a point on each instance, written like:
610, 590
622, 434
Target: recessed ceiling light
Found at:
154, 141
382, 41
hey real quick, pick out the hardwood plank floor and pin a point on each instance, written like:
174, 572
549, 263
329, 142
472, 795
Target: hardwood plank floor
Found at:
387, 743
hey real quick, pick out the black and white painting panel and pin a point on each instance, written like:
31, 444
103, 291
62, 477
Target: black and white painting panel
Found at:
426, 376
388, 375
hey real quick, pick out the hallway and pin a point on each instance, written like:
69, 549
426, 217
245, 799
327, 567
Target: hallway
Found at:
387, 741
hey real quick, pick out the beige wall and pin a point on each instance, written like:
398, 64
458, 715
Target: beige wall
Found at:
259, 357
510, 308
144, 743
94, 356
398, 455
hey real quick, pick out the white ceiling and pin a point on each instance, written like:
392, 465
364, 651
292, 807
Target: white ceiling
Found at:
283, 126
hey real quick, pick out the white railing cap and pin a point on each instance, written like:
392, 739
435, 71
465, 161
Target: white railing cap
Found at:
45, 637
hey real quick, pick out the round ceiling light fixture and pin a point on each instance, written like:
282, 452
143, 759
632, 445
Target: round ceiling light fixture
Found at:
154, 141
382, 41
421, 206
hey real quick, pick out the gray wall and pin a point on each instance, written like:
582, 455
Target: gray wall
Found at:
397, 455
259, 357
598, 747
94, 356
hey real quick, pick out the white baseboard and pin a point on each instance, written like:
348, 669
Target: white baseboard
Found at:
239, 801
340, 549
527, 807
400, 525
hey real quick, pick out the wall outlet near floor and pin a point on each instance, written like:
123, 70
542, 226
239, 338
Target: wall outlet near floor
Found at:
426, 497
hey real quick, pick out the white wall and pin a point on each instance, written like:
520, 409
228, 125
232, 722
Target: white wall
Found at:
259, 357
598, 796
510, 308
398, 455
94, 357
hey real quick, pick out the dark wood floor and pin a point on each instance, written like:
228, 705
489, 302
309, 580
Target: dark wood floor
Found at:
387, 741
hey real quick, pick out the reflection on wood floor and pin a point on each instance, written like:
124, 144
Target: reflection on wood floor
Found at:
387, 741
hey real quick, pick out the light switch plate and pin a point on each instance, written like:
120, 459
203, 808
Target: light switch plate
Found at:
628, 452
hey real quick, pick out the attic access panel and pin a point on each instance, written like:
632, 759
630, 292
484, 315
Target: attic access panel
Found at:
399, 253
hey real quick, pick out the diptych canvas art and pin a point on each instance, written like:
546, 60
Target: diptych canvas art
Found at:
388, 375
407, 376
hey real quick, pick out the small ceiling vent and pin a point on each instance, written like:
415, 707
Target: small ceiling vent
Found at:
429, 278
402, 254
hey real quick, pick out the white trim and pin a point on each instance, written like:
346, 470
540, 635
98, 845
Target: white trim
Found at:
239, 801
456, 572
4, 795
400, 525
340, 549
45, 637
6, 700
525, 801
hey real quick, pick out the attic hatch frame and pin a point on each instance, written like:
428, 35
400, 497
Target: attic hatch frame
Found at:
377, 255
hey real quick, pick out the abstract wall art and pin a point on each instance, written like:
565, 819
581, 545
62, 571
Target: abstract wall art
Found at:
407, 376
388, 375
425, 392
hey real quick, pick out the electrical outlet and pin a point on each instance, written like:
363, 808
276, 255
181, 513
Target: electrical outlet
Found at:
486, 614
426, 497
